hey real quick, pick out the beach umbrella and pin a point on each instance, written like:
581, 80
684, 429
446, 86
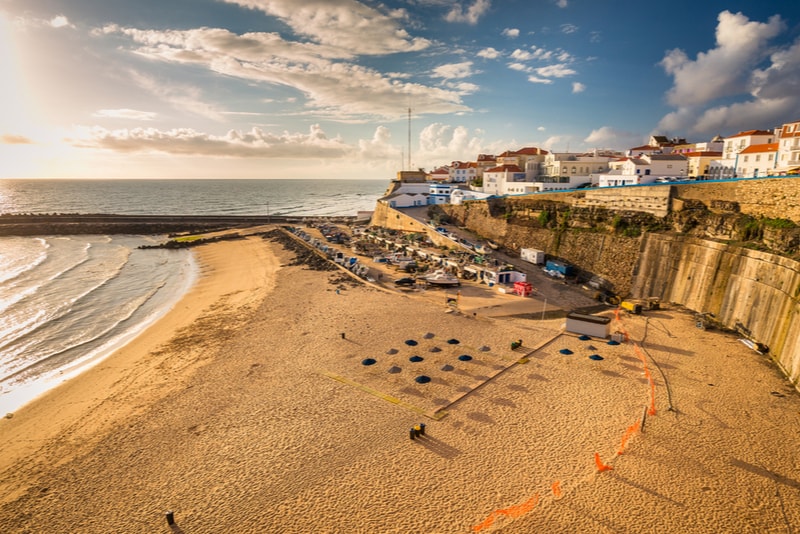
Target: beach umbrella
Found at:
428, 335
368, 361
422, 379
584, 337
394, 370
465, 357
447, 367
613, 342
411, 343
565, 351
435, 349
392, 351
416, 359
596, 357
453, 341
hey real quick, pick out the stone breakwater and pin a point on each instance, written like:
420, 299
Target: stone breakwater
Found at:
75, 224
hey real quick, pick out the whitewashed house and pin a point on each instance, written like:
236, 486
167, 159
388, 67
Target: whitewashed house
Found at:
645, 170
463, 172
439, 193
789, 148
732, 146
757, 161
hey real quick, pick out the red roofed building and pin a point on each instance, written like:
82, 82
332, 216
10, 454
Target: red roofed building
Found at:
757, 161
463, 172
789, 148
726, 166
497, 180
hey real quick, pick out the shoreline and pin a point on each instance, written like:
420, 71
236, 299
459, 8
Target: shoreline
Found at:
125, 375
254, 431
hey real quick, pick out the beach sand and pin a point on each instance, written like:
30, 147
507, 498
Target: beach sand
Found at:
248, 409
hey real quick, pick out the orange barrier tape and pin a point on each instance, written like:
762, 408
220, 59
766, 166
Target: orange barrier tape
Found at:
600, 465
556, 489
628, 433
512, 511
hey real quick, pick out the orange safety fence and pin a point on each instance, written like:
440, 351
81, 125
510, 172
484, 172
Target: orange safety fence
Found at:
512, 511
625, 437
600, 465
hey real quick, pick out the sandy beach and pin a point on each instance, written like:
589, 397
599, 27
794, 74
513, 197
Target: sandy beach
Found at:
249, 408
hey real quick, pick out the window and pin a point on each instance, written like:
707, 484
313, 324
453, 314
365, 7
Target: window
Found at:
746, 158
758, 157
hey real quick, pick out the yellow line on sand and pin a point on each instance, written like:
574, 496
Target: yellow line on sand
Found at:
394, 400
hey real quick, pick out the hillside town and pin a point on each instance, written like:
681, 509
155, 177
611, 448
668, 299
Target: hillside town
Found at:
746, 154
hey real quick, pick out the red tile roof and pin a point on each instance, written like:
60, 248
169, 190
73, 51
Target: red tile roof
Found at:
749, 133
760, 149
505, 168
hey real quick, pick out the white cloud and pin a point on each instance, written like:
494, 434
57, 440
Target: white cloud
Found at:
188, 142
568, 28
540, 129
12, 139
608, 137
578, 87
768, 94
379, 147
522, 55
344, 24
520, 67
724, 70
454, 70
471, 15
61, 21
555, 71
124, 113
561, 3
180, 96
511, 33
536, 79
489, 53
444, 143
333, 87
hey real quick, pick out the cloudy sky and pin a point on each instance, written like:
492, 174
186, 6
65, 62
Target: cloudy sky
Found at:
322, 88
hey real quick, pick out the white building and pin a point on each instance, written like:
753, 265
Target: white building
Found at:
463, 172
645, 170
459, 196
439, 193
496, 181
789, 148
732, 146
568, 170
757, 161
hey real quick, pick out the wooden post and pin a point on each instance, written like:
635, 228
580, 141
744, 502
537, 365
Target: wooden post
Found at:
644, 418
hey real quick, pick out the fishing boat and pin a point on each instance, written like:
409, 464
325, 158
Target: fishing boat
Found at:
442, 279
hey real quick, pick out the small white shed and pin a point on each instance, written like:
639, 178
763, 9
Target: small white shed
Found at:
590, 325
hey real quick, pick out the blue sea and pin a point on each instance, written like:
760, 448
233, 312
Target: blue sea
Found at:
66, 302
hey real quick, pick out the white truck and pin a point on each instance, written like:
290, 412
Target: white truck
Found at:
532, 255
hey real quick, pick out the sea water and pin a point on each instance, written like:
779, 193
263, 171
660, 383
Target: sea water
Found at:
66, 302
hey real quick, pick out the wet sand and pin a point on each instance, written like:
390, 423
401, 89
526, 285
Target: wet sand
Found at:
247, 410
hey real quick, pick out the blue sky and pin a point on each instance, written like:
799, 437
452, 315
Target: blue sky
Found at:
321, 88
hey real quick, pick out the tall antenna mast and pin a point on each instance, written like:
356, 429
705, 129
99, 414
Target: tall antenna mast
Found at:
409, 138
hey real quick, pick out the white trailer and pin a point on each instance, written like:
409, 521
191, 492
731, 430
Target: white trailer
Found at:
532, 255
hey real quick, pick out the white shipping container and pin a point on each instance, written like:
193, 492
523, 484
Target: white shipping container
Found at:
532, 255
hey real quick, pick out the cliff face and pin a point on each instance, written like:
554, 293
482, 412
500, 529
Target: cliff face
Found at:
729, 249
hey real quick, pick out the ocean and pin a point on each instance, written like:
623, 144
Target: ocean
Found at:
66, 302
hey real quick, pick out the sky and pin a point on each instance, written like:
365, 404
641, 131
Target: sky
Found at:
323, 88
